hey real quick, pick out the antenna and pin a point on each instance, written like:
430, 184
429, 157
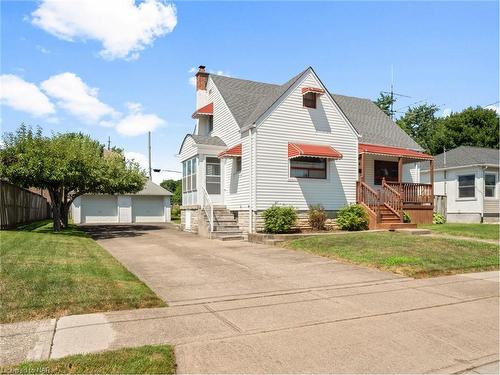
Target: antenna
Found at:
109, 143
149, 155
392, 93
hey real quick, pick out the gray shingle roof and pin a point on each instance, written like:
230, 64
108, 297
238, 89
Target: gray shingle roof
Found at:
153, 189
248, 100
467, 155
373, 124
207, 140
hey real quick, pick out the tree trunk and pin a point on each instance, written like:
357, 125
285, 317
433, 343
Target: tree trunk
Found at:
65, 213
56, 216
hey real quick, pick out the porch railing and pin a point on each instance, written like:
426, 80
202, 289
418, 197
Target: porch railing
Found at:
208, 207
391, 199
369, 197
413, 193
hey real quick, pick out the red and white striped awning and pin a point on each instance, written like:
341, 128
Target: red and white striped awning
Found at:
296, 150
315, 90
232, 152
392, 151
207, 110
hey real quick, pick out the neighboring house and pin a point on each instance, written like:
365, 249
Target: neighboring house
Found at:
258, 144
150, 205
468, 177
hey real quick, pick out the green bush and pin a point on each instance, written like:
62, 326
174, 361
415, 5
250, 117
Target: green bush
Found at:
176, 211
438, 218
317, 217
406, 217
353, 217
279, 219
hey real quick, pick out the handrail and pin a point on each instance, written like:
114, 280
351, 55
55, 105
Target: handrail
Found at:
369, 197
206, 201
392, 199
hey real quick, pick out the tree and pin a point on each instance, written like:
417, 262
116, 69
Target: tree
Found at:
471, 127
422, 125
384, 102
67, 165
175, 187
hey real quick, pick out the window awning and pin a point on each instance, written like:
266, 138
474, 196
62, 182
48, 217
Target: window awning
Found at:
207, 110
233, 152
316, 151
392, 151
315, 90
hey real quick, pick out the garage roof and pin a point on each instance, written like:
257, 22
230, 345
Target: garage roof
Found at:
153, 189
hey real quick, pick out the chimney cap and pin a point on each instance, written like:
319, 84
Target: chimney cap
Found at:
202, 68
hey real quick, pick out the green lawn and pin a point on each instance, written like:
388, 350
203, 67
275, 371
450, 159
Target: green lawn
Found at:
157, 359
412, 255
46, 275
484, 231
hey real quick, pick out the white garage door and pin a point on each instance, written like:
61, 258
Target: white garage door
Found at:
99, 209
147, 209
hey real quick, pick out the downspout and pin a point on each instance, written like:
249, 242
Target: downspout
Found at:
250, 224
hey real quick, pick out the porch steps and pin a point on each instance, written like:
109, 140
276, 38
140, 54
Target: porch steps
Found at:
226, 227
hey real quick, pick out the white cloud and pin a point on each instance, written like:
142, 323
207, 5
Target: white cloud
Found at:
496, 108
193, 70
78, 98
137, 157
24, 96
138, 123
42, 49
123, 28
446, 112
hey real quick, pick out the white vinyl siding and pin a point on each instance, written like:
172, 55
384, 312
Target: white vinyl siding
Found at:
291, 122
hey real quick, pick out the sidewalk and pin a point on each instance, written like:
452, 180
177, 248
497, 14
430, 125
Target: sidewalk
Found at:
444, 324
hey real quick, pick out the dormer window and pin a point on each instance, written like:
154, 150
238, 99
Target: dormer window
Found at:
309, 100
310, 96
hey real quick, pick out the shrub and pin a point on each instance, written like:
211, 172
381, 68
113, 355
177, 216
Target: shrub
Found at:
353, 217
279, 219
438, 218
176, 211
317, 217
406, 217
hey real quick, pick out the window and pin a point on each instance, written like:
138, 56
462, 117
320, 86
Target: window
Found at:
466, 186
306, 167
490, 182
210, 124
309, 100
385, 169
189, 175
238, 164
213, 175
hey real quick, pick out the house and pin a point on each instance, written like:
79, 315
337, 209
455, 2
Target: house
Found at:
150, 205
257, 144
468, 178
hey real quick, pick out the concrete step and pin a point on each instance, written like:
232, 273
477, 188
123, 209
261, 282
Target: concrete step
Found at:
231, 238
226, 228
223, 233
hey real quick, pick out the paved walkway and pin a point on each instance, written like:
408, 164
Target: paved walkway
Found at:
246, 308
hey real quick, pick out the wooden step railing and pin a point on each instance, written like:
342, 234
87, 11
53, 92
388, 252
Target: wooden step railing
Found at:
391, 198
369, 197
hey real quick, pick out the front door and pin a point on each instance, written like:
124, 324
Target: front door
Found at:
213, 180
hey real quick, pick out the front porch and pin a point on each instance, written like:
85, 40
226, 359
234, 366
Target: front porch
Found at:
389, 186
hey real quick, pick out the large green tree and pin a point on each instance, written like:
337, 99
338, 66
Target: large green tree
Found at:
68, 165
175, 187
385, 102
422, 124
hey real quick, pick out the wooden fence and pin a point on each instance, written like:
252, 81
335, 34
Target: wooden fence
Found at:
20, 206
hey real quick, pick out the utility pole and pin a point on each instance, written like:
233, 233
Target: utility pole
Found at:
109, 143
149, 155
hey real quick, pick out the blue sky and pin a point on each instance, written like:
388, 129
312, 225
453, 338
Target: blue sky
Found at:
445, 53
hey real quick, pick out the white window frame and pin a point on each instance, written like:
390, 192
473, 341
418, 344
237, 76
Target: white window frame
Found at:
191, 176
495, 193
459, 198
209, 175
313, 180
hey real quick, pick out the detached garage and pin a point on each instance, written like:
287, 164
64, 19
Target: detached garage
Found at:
150, 205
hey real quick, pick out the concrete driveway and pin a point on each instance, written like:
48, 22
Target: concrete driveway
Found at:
272, 310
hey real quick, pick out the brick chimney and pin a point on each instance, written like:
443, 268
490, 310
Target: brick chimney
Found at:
201, 78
